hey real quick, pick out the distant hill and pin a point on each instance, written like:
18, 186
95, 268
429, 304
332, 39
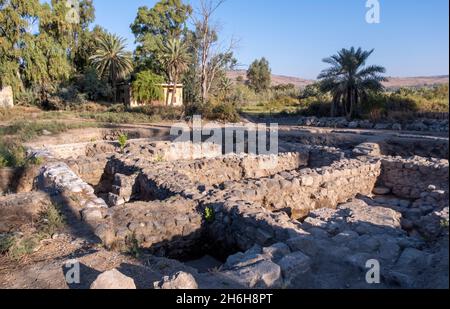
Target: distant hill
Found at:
276, 79
394, 82
420, 81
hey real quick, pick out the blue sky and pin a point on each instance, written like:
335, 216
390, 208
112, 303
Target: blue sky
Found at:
294, 35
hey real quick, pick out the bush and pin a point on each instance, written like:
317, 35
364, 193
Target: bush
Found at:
18, 246
89, 107
12, 155
225, 112
317, 109
27, 98
123, 140
93, 87
146, 87
405, 103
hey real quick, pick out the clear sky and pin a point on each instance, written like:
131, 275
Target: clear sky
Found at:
294, 35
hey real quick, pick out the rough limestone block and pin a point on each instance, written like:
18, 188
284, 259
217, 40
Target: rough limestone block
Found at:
179, 281
113, 280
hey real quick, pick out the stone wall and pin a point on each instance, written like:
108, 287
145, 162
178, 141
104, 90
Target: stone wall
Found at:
90, 169
57, 177
430, 125
189, 177
408, 178
300, 191
170, 228
6, 97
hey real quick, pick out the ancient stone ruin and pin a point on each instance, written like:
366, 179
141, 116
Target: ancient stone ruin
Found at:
312, 216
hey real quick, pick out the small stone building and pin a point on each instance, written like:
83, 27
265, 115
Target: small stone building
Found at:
6, 97
125, 96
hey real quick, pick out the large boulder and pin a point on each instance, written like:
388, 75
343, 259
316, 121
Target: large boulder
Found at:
179, 281
113, 280
294, 265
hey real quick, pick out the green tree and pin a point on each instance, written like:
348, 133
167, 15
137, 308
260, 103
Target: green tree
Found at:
38, 43
175, 58
259, 75
111, 59
88, 42
153, 27
16, 18
147, 87
349, 79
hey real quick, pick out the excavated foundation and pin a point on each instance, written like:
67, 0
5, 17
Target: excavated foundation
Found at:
186, 201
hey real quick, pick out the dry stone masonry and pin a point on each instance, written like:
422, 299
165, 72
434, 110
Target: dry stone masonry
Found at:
429, 125
310, 217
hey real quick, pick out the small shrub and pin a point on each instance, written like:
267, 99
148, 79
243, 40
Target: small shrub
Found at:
12, 154
132, 245
116, 108
225, 112
318, 109
6, 242
16, 247
51, 221
123, 140
89, 107
159, 158
210, 216
3, 162
23, 247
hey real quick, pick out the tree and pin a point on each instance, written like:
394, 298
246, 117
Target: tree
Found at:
16, 18
174, 57
211, 56
88, 41
259, 75
348, 79
111, 59
38, 43
155, 26
147, 87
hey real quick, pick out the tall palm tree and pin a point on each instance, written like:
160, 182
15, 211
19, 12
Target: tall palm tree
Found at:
111, 59
348, 79
175, 58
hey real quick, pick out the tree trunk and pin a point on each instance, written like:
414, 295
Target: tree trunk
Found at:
334, 105
167, 93
174, 91
349, 105
113, 83
357, 106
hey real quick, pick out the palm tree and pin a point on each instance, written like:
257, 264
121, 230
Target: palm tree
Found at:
111, 59
349, 79
175, 58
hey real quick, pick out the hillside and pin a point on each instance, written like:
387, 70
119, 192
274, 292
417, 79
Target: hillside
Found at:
394, 82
